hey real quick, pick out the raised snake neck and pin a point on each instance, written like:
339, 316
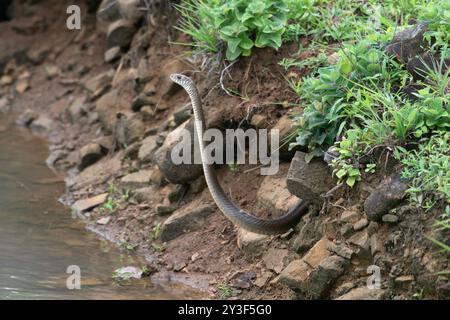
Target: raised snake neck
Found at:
230, 210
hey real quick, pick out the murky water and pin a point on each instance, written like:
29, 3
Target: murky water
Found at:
39, 239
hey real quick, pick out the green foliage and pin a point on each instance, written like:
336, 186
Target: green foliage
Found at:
224, 291
110, 205
240, 24
156, 231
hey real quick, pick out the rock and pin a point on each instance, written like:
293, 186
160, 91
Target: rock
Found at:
147, 149
363, 294
182, 114
55, 156
263, 279
243, 280
52, 71
321, 278
308, 180
185, 220
390, 193
360, 224
112, 54
198, 185
5, 107
251, 243
127, 273
259, 120
295, 274
26, 118
42, 125
136, 180
16, 52
6, 80
107, 107
344, 288
360, 239
404, 279
274, 196
340, 249
103, 221
105, 143
143, 71
390, 218
144, 194
147, 113
419, 67
130, 10
141, 101
285, 127
375, 245
274, 259
120, 33
108, 11
346, 230
89, 154
167, 87
128, 129
350, 216
317, 253
309, 234
83, 205
37, 56
408, 43
165, 210
184, 172
98, 82
22, 85
330, 155
76, 109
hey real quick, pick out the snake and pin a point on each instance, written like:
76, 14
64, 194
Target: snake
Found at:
239, 217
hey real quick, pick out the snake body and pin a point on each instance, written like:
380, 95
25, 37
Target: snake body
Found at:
230, 210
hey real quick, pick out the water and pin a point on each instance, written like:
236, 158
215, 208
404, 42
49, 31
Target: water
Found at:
39, 239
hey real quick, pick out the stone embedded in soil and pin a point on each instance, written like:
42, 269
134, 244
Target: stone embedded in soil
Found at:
408, 43
309, 234
108, 11
147, 149
106, 108
390, 218
360, 224
259, 120
52, 71
340, 249
120, 33
167, 87
186, 219
144, 194
147, 113
182, 114
128, 129
136, 180
386, 197
275, 259
285, 126
77, 109
89, 154
112, 54
42, 124
163, 210
295, 274
250, 242
103, 221
98, 82
27, 117
22, 85
360, 239
179, 173
4, 105
83, 205
363, 293
143, 100
323, 277
351, 216
317, 253
274, 196
263, 279
308, 180
18, 53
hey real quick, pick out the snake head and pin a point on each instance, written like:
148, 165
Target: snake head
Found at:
182, 80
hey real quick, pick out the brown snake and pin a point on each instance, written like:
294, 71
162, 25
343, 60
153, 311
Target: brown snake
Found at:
230, 210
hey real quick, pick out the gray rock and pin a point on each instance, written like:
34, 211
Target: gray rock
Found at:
89, 154
130, 10
55, 156
390, 218
386, 197
42, 125
182, 114
137, 180
26, 118
141, 101
147, 113
184, 172
274, 196
340, 249
163, 210
112, 54
4, 105
77, 109
364, 293
295, 274
98, 82
120, 33
83, 205
308, 180
408, 43
360, 239
251, 243
322, 278
108, 11
308, 235
275, 259
128, 129
360, 224
285, 125
147, 149
185, 220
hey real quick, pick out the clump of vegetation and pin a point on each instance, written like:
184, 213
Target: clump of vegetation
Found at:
224, 291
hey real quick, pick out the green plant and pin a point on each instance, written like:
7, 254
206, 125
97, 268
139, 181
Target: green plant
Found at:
128, 246
156, 231
110, 205
126, 194
158, 247
224, 291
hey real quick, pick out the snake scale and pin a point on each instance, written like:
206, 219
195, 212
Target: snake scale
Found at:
230, 210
